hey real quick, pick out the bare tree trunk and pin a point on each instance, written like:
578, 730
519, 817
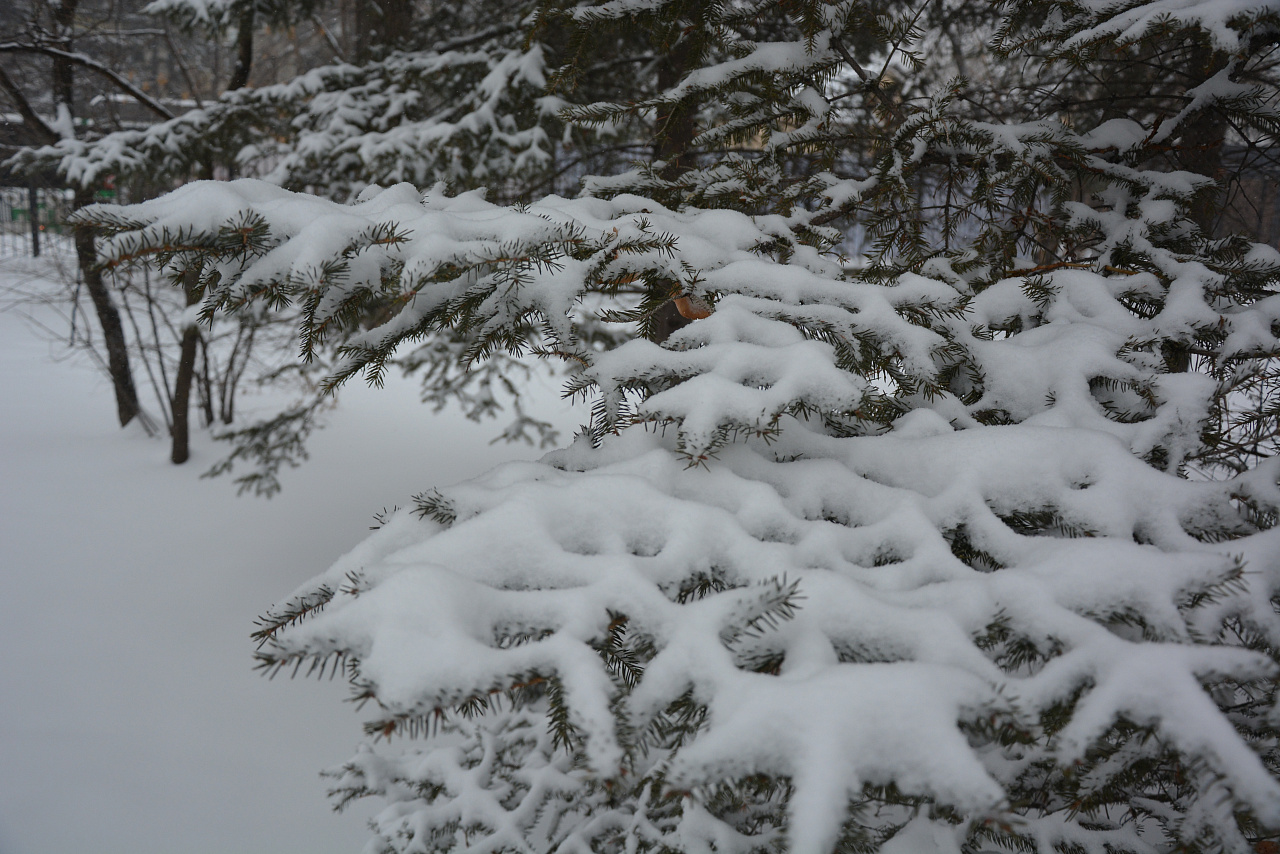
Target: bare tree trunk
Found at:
113, 338
33, 205
181, 448
380, 24
64, 15
206, 384
672, 138
1200, 148
1200, 151
244, 50
185, 377
675, 130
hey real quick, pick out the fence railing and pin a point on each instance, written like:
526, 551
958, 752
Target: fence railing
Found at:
33, 221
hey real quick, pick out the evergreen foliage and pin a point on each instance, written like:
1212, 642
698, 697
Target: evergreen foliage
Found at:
967, 547
466, 101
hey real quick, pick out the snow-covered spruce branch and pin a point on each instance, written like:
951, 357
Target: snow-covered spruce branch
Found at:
516, 279
940, 638
464, 112
987, 632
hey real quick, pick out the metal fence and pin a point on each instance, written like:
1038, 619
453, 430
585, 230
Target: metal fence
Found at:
33, 221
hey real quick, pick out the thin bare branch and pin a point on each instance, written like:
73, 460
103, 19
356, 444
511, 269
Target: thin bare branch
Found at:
37, 125
93, 65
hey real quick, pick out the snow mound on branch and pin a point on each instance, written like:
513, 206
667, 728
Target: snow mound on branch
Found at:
1126, 22
873, 672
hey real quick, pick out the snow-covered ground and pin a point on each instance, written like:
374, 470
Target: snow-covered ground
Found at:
131, 720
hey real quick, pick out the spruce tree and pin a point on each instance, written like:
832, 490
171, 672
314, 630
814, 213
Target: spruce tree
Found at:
966, 546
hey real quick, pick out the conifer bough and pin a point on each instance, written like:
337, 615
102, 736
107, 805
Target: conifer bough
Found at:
970, 549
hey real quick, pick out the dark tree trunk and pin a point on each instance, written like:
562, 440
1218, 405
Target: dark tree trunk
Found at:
64, 15
1200, 151
181, 448
667, 320
244, 50
33, 205
185, 378
206, 384
380, 25
113, 338
1200, 148
672, 137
